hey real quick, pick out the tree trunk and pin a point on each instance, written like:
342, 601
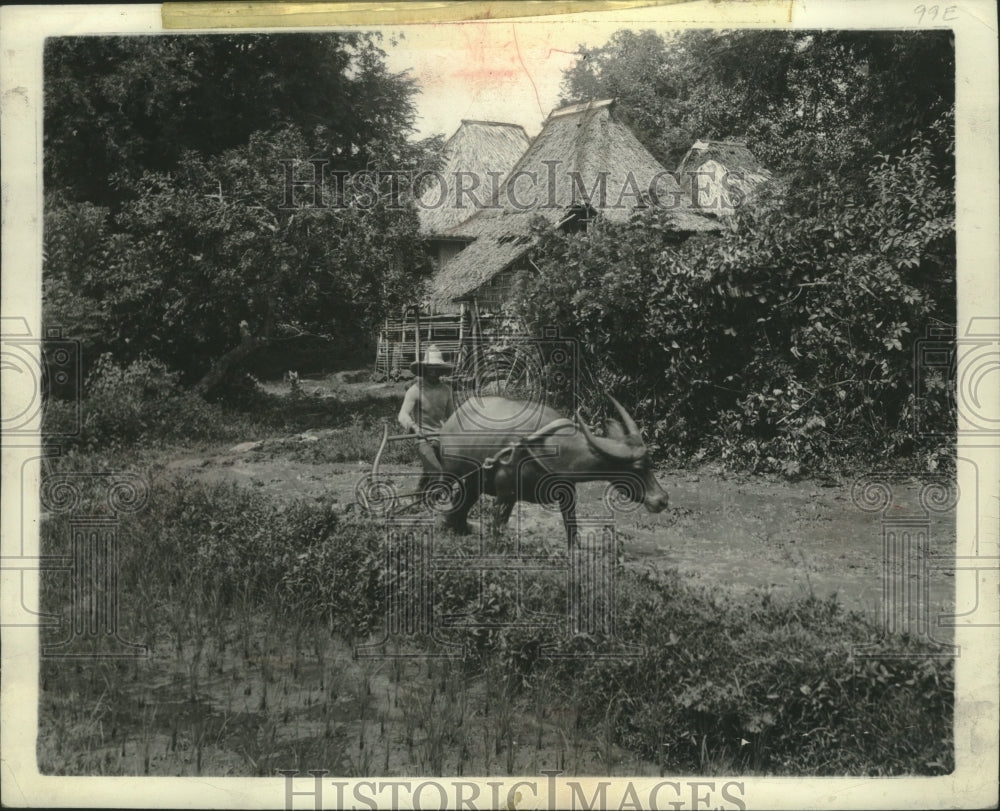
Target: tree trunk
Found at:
224, 365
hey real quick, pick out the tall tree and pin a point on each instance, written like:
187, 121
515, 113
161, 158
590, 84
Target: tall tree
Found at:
116, 107
168, 230
786, 341
807, 101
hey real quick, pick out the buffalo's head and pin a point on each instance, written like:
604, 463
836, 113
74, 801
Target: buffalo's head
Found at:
623, 456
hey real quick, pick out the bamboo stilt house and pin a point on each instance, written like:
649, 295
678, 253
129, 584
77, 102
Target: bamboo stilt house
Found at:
583, 165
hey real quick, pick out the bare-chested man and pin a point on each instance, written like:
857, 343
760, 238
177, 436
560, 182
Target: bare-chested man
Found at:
426, 406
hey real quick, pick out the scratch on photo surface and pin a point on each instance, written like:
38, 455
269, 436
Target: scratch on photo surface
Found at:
538, 100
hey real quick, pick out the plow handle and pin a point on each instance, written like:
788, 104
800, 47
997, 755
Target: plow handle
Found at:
381, 449
386, 439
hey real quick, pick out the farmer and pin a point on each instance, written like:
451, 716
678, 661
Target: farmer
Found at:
426, 406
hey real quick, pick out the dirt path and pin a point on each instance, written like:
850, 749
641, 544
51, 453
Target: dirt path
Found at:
740, 533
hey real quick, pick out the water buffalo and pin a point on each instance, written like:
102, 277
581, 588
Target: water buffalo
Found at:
550, 454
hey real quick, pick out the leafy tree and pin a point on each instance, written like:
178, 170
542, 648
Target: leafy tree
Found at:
203, 266
785, 341
116, 107
807, 101
167, 233
782, 343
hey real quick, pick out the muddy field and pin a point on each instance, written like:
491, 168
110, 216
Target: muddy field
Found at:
737, 532
237, 693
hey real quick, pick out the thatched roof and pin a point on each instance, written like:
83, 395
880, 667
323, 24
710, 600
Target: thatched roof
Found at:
479, 148
577, 146
709, 162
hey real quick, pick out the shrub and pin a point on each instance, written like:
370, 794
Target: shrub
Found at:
201, 550
140, 402
762, 685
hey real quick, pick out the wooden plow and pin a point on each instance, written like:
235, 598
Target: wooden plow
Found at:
378, 497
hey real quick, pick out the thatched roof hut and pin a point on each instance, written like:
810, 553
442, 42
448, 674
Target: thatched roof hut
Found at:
718, 177
583, 163
482, 150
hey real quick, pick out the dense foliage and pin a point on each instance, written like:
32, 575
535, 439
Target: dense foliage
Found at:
167, 229
785, 341
767, 686
117, 107
807, 102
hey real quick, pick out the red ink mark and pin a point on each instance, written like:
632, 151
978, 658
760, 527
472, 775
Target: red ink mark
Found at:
484, 64
485, 74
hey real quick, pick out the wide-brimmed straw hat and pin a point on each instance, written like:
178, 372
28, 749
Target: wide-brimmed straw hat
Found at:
433, 360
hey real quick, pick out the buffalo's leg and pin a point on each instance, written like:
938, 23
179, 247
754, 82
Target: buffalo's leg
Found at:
567, 506
505, 495
501, 514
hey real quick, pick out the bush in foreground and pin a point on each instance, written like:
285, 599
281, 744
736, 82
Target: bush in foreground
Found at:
765, 685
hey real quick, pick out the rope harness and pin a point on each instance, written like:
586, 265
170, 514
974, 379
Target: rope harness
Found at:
505, 456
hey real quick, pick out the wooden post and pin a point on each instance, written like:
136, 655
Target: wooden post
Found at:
477, 335
416, 333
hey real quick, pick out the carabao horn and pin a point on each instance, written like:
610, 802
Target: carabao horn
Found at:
630, 426
609, 447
